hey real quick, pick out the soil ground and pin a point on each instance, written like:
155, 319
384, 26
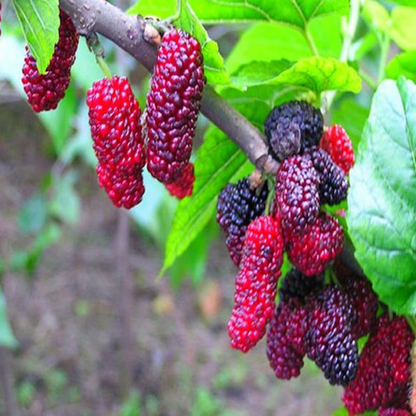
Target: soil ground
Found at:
67, 316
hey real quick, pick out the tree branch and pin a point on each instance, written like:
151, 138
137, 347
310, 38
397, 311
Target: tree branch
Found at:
127, 32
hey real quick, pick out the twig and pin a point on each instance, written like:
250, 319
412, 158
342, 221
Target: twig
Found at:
127, 32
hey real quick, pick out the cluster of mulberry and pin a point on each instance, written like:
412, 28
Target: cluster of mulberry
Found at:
120, 143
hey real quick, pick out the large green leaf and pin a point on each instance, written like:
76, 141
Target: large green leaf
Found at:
218, 162
40, 22
344, 412
403, 28
315, 74
410, 3
7, 338
274, 41
291, 12
402, 64
382, 197
188, 21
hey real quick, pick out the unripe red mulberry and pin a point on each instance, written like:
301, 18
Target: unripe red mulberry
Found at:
44, 91
329, 340
285, 349
383, 375
238, 205
256, 283
297, 194
116, 130
337, 143
313, 250
173, 104
184, 185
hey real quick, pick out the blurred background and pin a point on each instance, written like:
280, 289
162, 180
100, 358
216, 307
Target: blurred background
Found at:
89, 330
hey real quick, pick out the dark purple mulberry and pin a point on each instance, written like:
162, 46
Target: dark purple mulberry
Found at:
239, 205
297, 285
173, 105
329, 339
44, 91
333, 184
290, 123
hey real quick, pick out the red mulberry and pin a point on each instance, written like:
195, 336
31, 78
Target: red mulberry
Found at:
291, 122
116, 130
384, 370
285, 346
297, 194
44, 91
333, 184
184, 185
239, 205
173, 104
256, 283
337, 143
321, 242
329, 339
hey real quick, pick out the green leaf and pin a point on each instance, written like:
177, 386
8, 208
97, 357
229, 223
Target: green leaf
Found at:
296, 13
59, 122
272, 42
290, 12
32, 215
402, 64
352, 116
376, 15
315, 74
7, 338
382, 196
40, 23
410, 3
188, 21
65, 203
218, 162
343, 412
403, 28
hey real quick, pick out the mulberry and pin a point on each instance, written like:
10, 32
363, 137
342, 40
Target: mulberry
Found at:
114, 116
333, 184
291, 122
297, 285
183, 185
394, 412
285, 347
337, 143
256, 283
173, 104
329, 339
384, 370
297, 194
239, 205
44, 91
321, 242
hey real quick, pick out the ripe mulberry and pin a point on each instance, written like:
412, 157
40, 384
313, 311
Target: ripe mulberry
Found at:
288, 123
183, 185
365, 304
329, 340
297, 194
173, 104
321, 242
337, 143
394, 412
384, 370
256, 283
114, 116
285, 347
239, 205
297, 285
333, 184
44, 91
